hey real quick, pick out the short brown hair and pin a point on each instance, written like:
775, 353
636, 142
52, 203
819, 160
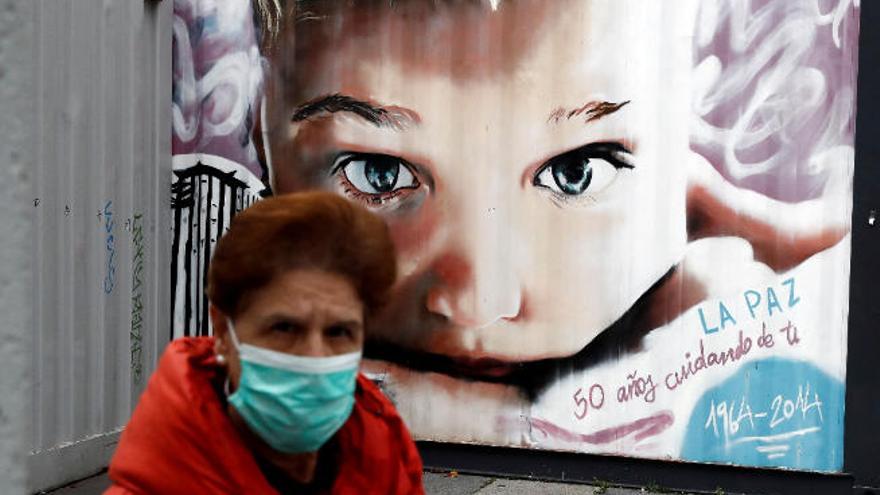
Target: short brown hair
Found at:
316, 230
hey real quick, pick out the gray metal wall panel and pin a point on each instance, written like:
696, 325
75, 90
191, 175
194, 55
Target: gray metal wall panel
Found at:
102, 211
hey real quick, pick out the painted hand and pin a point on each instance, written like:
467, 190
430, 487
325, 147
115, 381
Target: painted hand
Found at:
782, 234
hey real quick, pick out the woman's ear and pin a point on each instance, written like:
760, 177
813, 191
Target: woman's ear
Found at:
782, 234
219, 324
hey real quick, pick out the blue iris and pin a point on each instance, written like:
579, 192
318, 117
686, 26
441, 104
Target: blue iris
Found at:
382, 173
572, 176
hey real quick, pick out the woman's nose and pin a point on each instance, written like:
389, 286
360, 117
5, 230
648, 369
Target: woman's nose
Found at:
475, 286
312, 344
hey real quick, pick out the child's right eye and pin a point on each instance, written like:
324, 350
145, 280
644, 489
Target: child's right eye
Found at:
375, 179
376, 174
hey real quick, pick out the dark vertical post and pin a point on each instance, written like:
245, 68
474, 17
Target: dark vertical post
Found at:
207, 246
187, 263
861, 437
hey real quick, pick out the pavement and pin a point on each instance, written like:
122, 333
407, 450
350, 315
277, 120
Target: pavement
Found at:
449, 483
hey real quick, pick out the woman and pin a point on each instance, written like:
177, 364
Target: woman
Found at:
273, 403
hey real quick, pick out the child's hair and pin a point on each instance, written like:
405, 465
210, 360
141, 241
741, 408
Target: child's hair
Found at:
269, 14
273, 15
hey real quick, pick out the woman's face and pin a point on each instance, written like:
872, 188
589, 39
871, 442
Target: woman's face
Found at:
302, 312
529, 161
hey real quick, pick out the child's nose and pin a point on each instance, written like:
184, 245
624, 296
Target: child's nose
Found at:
476, 281
475, 289
475, 270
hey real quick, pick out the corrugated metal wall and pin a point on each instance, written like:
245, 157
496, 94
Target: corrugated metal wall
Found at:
102, 216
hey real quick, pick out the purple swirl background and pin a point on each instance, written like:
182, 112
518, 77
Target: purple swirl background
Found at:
218, 80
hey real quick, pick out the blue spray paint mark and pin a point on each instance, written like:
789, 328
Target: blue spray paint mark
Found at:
771, 413
110, 246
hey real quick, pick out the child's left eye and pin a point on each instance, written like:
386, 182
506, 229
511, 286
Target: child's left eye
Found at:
590, 168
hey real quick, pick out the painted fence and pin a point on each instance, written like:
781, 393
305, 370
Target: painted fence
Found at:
623, 227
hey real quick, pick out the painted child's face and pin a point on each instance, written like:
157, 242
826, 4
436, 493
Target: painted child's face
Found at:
529, 161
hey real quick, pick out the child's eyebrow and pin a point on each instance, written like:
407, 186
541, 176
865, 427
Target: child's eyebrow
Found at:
396, 117
593, 110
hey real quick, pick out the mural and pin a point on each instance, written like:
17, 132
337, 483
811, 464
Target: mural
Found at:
622, 227
217, 84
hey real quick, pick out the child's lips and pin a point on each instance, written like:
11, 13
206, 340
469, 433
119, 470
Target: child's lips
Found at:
479, 367
485, 367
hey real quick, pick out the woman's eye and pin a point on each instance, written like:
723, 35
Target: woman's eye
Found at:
377, 174
339, 332
590, 168
282, 327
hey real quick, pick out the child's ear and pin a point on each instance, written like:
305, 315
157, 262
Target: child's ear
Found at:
257, 137
260, 140
782, 234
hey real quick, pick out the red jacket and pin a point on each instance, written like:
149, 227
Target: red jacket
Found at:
180, 440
